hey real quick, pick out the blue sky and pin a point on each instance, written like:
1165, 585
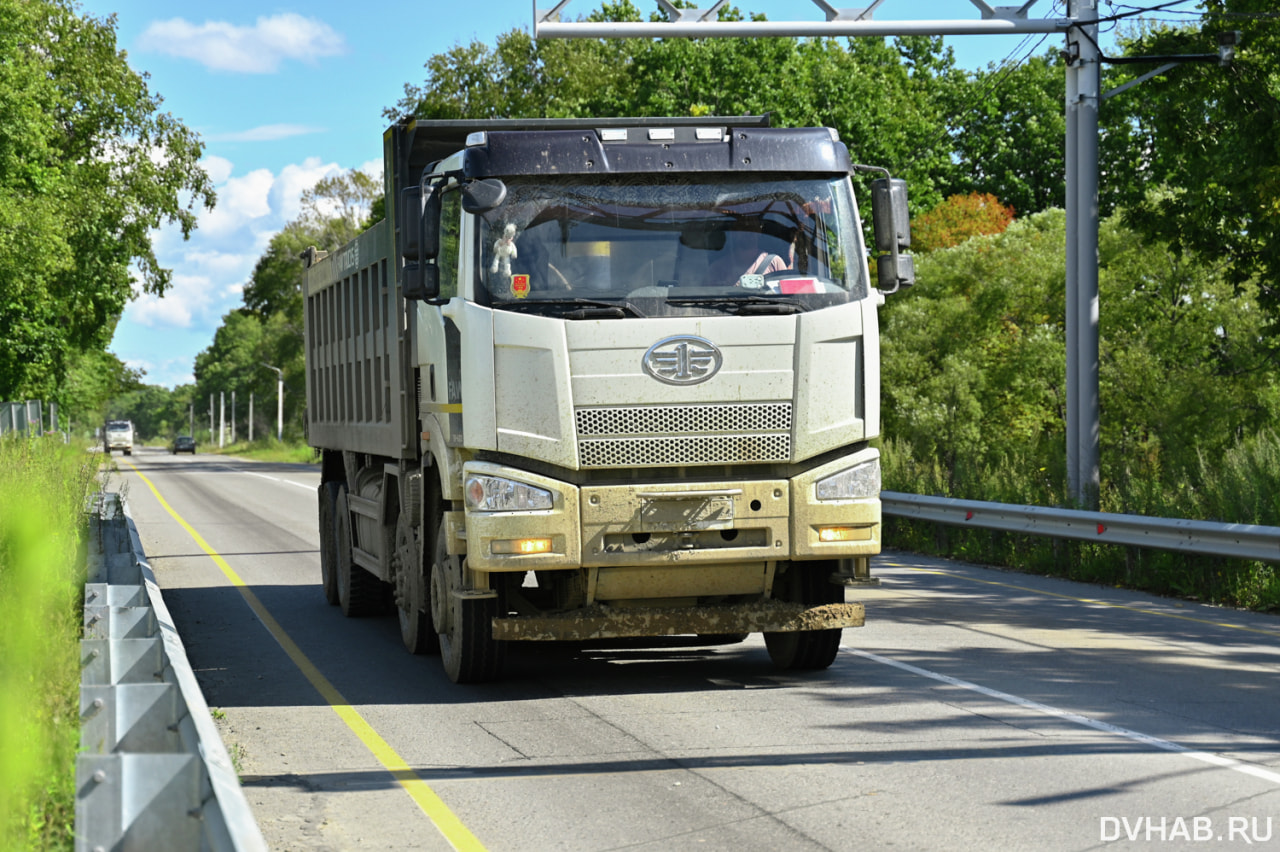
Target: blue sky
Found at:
286, 93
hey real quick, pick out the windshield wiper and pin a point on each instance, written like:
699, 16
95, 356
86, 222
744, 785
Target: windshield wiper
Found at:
586, 308
757, 305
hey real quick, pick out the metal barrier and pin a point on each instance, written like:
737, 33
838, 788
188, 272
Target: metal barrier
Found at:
1241, 541
153, 772
21, 417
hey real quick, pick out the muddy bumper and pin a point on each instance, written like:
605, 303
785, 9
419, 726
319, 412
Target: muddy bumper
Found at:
601, 621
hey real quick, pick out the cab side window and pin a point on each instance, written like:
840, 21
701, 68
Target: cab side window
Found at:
450, 243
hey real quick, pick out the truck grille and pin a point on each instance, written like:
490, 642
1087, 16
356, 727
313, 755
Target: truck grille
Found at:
684, 434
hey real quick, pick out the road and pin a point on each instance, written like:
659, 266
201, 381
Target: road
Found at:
978, 709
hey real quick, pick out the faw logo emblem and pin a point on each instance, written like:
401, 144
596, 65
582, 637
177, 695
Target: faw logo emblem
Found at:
683, 360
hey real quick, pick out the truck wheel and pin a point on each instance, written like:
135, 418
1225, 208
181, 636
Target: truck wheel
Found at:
359, 592
326, 495
806, 583
416, 630
465, 625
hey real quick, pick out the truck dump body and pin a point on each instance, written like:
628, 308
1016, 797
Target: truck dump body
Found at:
595, 379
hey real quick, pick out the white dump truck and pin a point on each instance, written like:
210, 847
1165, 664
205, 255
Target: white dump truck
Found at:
118, 435
604, 378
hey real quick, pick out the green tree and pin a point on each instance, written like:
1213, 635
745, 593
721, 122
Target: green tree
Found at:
974, 362
89, 167
1008, 129
1192, 154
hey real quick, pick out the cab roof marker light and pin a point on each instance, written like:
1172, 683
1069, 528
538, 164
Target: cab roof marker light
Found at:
662, 134
613, 134
478, 139
709, 134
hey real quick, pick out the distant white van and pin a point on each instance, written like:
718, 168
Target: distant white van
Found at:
118, 436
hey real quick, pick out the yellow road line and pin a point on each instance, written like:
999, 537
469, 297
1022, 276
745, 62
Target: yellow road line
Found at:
432, 805
1227, 624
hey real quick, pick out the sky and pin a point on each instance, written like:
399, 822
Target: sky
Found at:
285, 93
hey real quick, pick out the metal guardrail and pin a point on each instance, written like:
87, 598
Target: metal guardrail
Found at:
1241, 541
153, 772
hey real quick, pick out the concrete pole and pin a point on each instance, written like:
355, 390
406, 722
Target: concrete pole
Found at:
279, 406
210, 419
1084, 82
250, 417
233, 417
222, 419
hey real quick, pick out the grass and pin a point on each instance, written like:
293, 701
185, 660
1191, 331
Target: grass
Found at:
267, 449
43, 488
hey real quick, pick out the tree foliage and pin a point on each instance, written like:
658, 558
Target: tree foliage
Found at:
974, 360
89, 167
957, 219
1193, 154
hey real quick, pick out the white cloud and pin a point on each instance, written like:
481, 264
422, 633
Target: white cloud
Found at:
264, 133
222, 46
296, 179
218, 168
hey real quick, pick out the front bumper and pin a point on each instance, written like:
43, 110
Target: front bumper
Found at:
670, 524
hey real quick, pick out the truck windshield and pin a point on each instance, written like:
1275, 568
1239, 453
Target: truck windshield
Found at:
660, 248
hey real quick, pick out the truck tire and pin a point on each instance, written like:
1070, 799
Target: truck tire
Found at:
326, 496
465, 625
807, 583
412, 590
360, 593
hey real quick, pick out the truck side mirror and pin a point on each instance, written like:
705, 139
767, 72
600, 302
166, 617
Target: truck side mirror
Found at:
481, 196
420, 240
892, 225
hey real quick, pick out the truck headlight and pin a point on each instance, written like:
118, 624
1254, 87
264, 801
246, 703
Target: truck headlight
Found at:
494, 494
861, 480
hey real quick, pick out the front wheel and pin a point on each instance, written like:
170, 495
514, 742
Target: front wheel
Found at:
416, 630
464, 624
807, 583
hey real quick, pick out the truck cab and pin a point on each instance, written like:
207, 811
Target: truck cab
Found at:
636, 375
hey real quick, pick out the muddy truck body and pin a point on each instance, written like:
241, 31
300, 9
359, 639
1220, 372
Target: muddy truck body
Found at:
604, 378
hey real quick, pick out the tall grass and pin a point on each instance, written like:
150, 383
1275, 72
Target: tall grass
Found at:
1241, 486
43, 487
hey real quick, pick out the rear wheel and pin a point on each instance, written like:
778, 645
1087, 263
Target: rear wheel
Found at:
464, 624
807, 583
359, 592
326, 495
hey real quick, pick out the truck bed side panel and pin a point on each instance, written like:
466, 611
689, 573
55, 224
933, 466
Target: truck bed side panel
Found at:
360, 391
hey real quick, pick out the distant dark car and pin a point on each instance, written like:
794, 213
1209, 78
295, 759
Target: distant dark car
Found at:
183, 444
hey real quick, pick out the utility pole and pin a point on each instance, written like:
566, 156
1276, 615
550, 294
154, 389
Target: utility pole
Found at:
1084, 83
233, 417
250, 417
222, 419
279, 401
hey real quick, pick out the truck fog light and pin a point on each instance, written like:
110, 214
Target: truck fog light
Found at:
830, 534
520, 546
495, 494
861, 480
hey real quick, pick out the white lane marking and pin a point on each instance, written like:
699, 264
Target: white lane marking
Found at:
1076, 718
276, 479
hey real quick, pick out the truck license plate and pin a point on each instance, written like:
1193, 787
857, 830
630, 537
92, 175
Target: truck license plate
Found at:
707, 513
